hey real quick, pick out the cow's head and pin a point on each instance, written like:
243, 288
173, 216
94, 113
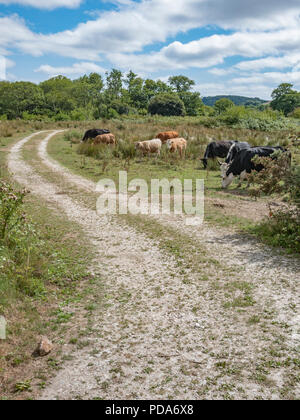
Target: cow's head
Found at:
204, 161
170, 144
227, 180
224, 168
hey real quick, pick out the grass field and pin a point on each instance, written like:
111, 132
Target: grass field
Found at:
101, 162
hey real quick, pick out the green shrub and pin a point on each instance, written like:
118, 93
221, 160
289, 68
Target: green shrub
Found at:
61, 116
18, 245
112, 113
11, 216
234, 115
282, 228
254, 119
78, 115
296, 113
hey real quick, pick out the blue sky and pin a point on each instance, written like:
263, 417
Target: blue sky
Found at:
226, 46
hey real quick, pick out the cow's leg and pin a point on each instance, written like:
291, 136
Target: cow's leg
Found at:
243, 177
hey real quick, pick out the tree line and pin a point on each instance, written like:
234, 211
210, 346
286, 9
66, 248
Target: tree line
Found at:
94, 97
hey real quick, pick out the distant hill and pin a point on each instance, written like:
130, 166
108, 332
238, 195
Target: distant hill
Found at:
237, 100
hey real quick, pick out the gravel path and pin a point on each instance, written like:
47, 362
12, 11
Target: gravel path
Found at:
162, 337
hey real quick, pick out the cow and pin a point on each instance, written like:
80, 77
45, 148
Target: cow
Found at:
234, 149
243, 164
216, 149
91, 134
105, 139
167, 135
149, 146
178, 144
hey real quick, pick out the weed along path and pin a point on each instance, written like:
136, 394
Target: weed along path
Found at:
189, 313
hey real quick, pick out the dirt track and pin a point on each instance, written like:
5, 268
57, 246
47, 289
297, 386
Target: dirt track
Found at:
150, 342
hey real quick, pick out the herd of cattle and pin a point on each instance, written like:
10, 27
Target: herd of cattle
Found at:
238, 155
171, 138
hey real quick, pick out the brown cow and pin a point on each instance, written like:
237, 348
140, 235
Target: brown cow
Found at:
105, 139
178, 144
167, 135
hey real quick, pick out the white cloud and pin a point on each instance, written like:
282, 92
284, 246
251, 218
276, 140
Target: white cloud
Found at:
286, 61
220, 72
135, 25
270, 78
213, 50
266, 31
76, 70
254, 85
44, 4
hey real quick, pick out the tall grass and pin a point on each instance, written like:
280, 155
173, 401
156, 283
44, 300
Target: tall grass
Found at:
128, 132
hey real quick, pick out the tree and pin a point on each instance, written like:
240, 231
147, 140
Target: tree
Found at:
19, 97
282, 89
166, 104
136, 94
114, 83
285, 99
182, 86
288, 103
222, 105
87, 89
181, 83
152, 88
192, 102
58, 94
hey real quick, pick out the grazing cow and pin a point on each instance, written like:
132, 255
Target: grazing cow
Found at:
216, 149
167, 135
178, 144
149, 146
91, 134
235, 148
243, 165
242, 146
105, 139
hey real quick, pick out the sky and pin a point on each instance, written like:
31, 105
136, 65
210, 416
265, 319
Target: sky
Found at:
227, 46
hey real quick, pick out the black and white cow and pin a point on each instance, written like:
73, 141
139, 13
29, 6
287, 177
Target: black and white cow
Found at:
216, 149
91, 134
243, 164
235, 148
